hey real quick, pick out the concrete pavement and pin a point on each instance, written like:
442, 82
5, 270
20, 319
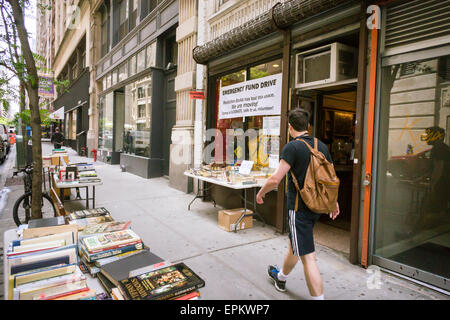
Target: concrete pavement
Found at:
232, 264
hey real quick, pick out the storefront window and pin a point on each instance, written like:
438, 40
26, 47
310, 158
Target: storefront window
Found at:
123, 72
141, 61
132, 67
260, 132
105, 124
73, 131
114, 77
412, 207
151, 55
137, 117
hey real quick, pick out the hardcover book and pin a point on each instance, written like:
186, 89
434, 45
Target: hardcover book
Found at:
95, 229
101, 262
120, 270
45, 263
82, 223
161, 284
88, 213
46, 222
92, 257
110, 240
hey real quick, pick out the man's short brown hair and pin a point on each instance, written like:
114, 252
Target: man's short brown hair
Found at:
299, 119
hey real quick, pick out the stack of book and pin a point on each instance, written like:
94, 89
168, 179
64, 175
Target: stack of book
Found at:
43, 265
83, 218
107, 245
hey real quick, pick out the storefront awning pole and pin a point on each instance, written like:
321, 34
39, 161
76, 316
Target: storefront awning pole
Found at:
369, 147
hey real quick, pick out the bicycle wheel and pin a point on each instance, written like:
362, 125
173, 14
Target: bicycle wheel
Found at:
22, 208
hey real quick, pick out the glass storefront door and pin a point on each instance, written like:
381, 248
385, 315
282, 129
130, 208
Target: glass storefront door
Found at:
412, 215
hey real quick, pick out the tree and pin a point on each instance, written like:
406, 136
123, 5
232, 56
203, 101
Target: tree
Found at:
17, 58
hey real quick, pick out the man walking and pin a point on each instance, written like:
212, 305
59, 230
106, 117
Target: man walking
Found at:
295, 156
57, 139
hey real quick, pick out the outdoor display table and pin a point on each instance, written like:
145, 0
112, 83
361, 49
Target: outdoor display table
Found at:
236, 186
11, 235
62, 185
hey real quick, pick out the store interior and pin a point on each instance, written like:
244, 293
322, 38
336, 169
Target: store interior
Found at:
332, 107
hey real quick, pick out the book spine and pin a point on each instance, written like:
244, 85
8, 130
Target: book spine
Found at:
177, 293
188, 296
114, 247
65, 294
110, 253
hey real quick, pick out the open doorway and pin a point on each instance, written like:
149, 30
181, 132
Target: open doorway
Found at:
333, 112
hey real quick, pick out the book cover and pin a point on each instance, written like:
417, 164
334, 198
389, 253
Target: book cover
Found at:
120, 270
36, 247
45, 283
37, 275
50, 289
92, 257
69, 237
45, 231
71, 289
40, 264
88, 213
46, 222
25, 258
110, 240
103, 261
82, 223
96, 229
84, 295
161, 284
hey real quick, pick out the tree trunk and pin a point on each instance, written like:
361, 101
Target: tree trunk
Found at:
32, 90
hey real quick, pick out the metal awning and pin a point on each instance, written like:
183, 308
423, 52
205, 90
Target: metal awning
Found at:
280, 16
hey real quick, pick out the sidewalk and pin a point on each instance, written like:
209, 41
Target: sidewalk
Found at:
232, 264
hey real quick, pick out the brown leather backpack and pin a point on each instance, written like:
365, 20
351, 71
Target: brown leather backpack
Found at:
320, 191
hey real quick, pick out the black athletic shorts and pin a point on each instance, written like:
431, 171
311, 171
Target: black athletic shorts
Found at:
301, 224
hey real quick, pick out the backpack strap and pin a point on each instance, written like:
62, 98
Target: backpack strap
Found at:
294, 179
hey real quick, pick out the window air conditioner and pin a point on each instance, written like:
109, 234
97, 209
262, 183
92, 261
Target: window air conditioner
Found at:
331, 63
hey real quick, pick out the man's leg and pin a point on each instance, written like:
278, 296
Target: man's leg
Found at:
312, 275
289, 261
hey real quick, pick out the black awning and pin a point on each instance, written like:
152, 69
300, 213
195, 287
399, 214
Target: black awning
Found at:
280, 16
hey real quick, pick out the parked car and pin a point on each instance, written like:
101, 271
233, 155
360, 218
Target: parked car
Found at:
5, 137
2, 150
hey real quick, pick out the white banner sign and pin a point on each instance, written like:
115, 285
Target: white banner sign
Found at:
257, 97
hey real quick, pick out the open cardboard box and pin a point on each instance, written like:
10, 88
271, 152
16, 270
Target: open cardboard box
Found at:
228, 219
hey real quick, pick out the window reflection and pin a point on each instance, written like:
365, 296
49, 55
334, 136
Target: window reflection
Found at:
413, 220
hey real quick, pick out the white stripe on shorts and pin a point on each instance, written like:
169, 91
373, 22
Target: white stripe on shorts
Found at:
293, 233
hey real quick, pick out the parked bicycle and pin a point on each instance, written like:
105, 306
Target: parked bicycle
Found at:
22, 207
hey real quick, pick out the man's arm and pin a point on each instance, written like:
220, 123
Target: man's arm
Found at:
273, 181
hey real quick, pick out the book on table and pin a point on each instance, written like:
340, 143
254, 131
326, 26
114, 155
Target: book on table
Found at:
121, 269
111, 240
106, 227
46, 222
161, 284
108, 252
88, 213
82, 223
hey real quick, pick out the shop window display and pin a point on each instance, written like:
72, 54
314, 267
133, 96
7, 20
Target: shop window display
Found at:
413, 206
136, 128
105, 122
259, 141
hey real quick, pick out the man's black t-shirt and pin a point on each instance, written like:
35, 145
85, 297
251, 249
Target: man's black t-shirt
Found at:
57, 137
297, 155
